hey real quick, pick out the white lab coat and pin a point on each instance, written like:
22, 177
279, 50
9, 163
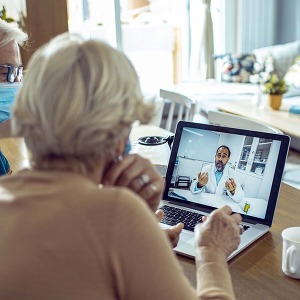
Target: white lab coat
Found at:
220, 189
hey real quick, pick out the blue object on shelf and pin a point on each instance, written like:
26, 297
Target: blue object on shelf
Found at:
295, 109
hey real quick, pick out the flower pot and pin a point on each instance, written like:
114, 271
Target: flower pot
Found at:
275, 101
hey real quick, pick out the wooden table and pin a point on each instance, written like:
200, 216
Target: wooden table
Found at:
256, 272
282, 119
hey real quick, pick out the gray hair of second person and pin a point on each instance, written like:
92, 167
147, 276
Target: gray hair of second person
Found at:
77, 99
9, 33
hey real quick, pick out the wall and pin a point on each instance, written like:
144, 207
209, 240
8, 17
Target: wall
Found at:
45, 19
201, 145
13, 7
259, 23
288, 21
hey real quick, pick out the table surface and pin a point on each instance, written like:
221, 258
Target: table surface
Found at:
282, 119
236, 98
256, 272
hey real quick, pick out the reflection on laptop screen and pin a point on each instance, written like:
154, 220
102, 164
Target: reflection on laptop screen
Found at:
213, 165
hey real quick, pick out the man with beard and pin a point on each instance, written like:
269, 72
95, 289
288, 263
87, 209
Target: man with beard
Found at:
219, 178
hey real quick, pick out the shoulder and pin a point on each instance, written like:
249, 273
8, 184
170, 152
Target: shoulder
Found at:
114, 202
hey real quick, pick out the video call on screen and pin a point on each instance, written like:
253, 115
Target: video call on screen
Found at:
252, 161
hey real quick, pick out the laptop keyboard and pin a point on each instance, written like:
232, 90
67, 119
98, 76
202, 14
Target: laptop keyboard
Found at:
174, 215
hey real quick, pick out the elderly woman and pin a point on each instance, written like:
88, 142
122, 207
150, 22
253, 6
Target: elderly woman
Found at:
80, 223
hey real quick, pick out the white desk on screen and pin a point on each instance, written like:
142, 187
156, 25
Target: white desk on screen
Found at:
257, 208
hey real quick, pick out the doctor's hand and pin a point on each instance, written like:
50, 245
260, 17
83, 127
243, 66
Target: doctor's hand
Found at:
202, 179
221, 230
230, 185
173, 233
139, 175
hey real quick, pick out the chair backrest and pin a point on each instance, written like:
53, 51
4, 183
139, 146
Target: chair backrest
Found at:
185, 106
230, 120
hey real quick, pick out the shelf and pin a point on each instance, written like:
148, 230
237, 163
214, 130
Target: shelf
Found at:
260, 162
266, 143
257, 174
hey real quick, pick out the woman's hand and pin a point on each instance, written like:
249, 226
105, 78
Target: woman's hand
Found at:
139, 175
220, 230
173, 233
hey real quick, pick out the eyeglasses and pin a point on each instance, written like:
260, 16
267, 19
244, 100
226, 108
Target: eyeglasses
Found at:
13, 72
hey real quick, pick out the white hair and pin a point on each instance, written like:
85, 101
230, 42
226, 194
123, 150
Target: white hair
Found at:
10, 33
77, 98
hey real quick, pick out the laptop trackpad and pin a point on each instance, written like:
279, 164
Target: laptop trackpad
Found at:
186, 244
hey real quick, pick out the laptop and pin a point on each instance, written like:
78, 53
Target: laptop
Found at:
256, 164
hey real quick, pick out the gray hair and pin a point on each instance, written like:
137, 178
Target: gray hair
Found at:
77, 99
10, 33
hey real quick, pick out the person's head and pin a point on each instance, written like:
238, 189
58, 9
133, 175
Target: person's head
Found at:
10, 59
77, 103
222, 157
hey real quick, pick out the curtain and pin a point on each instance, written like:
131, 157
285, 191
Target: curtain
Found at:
207, 42
202, 44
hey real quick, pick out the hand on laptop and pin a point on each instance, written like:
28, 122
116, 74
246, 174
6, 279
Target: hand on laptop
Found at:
173, 233
220, 230
139, 175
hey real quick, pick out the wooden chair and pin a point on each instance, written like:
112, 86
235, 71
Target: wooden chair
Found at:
180, 108
230, 120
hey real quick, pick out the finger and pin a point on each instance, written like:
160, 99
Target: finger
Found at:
174, 233
226, 209
139, 169
178, 228
204, 218
139, 182
204, 175
115, 170
229, 186
237, 218
241, 229
152, 189
232, 182
159, 215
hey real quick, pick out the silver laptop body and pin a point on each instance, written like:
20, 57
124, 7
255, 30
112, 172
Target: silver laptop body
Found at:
257, 161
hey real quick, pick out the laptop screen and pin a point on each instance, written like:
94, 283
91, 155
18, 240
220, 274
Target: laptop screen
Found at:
211, 166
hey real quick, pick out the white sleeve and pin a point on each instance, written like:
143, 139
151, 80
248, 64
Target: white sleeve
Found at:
193, 187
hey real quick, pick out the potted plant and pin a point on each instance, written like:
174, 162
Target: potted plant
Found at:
4, 17
275, 87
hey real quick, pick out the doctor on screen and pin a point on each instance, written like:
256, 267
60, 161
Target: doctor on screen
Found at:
219, 178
